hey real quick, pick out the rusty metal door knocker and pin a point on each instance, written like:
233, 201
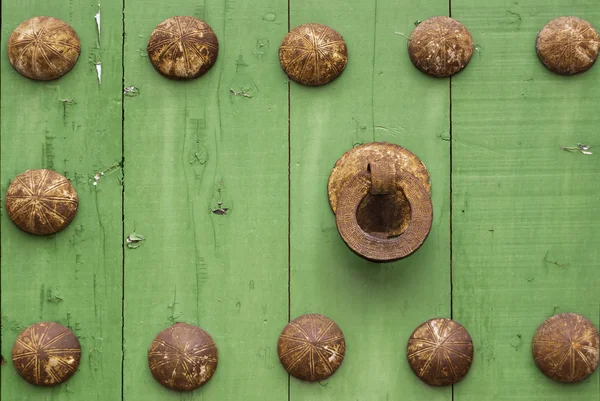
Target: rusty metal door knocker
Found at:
380, 194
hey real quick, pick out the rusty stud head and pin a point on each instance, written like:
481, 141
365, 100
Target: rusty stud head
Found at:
183, 357
311, 347
43, 48
568, 45
440, 46
46, 354
440, 352
313, 54
566, 347
41, 202
183, 48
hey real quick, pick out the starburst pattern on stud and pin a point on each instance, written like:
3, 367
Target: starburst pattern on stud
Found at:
41, 201
313, 54
568, 45
440, 46
566, 347
43, 48
46, 354
183, 357
440, 352
183, 47
311, 347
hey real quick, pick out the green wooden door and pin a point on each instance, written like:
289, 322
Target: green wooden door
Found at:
513, 239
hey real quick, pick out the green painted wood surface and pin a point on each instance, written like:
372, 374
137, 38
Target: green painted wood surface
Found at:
188, 146
380, 97
72, 125
522, 211
525, 212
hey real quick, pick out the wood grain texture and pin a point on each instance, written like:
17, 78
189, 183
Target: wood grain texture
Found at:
524, 211
188, 146
72, 126
379, 97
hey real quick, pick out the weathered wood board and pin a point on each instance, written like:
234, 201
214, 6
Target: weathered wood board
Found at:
513, 239
524, 211
380, 97
73, 126
188, 146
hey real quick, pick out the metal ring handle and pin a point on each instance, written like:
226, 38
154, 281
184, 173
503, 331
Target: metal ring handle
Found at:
384, 249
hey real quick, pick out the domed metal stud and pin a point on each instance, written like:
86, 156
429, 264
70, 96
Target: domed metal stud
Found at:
311, 347
568, 45
183, 48
313, 54
43, 48
440, 46
41, 202
566, 347
183, 357
46, 354
440, 352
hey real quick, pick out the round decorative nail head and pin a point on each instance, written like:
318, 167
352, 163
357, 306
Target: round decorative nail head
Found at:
43, 48
183, 48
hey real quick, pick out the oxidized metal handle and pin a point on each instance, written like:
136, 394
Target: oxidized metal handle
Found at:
384, 249
380, 194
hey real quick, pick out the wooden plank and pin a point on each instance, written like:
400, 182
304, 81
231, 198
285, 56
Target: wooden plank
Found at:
525, 212
380, 97
73, 126
188, 146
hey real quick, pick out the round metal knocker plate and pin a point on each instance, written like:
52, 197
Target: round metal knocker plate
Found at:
381, 216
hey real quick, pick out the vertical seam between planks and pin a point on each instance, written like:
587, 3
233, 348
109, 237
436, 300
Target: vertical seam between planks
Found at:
373, 72
123, 204
451, 205
1, 311
289, 90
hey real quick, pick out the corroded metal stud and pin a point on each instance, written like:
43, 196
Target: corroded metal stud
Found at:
380, 193
313, 54
440, 46
566, 347
41, 202
183, 357
568, 45
43, 48
183, 48
311, 347
440, 352
46, 354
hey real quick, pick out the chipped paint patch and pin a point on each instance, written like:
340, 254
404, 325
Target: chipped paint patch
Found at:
134, 240
97, 18
131, 91
110, 169
99, 72
582, 148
